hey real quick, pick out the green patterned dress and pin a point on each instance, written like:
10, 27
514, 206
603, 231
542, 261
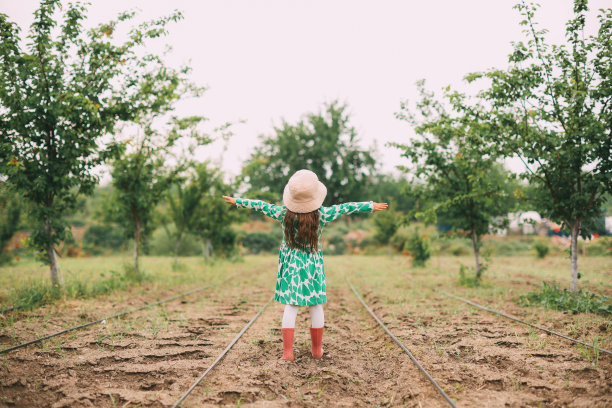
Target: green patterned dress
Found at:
301, 276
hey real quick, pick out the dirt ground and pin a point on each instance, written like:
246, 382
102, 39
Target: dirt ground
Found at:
150, 358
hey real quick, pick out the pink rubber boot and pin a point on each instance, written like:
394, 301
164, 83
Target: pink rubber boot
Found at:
287, 344
316, 337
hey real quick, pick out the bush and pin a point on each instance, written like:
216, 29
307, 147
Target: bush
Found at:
553, 297
399, 239
257, 242
102, 237
419, 247
468, 280
336, 245
601, 247
541, 248
163, 243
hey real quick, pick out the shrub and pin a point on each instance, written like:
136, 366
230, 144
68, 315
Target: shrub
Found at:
163, 243
541, 248
336, 245
468, 280
257, 242
551, 296
399, 239
419, 247
99, 238
601, 247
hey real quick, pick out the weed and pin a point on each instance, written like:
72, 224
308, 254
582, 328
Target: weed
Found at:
541, 248
467, 280
591, 354
551, 296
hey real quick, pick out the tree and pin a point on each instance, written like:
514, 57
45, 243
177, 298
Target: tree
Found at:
552, 108
395, 190
143, 175
450, 160
213, 218
10, 214
325, 143
60, 94
386, 223
184, 204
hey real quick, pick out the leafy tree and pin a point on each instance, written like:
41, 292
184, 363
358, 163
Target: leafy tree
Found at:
213, 218
184, 204
395, 190
60, 94
325, 143
468, 185
142, 175
10, 214
552, 108
386, 223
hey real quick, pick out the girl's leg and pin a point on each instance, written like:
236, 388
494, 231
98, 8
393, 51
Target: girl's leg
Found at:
316, 316
316, 330
289, 316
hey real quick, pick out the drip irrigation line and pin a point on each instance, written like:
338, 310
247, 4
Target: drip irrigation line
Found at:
469, 302
81, 326
414, 360
223, 353
10, 309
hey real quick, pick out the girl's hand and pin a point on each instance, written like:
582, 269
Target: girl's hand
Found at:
380, 206
230, 200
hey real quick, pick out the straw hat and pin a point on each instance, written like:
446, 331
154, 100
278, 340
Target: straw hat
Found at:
304, 192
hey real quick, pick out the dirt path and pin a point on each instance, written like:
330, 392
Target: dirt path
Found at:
151, 358
361, 367
483, 360
145, 358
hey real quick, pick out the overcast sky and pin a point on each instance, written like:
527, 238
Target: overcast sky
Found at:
266, 60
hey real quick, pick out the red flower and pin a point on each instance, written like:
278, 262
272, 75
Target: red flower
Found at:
16, 245
6, 251
17, 258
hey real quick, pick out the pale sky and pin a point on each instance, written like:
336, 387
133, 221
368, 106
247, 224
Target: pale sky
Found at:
266, 60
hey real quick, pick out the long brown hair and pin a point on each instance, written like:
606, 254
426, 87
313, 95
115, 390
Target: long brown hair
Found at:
302, 230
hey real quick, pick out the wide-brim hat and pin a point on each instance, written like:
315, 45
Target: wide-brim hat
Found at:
304, 192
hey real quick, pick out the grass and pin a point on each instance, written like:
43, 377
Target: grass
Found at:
28, 284
551, 296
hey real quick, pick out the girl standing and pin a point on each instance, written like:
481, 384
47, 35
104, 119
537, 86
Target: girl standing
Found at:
301, 277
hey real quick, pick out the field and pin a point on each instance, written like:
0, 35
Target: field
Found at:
151, 357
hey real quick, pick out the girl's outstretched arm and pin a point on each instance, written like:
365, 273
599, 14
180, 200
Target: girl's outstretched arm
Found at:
329, 214
276, 212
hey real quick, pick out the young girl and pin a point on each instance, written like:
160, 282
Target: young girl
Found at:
301, 277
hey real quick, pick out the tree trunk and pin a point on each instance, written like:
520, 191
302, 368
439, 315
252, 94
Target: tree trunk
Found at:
389, 248
56, 274
176, 248
476, 246
136, 245
574, 255
206, 247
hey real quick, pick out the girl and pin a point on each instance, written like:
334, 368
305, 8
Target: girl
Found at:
301, 277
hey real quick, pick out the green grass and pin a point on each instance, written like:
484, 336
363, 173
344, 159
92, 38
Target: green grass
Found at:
29, 286
551, 296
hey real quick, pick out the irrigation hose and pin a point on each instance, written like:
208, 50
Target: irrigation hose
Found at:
399, 343
469, 302
38, 340
229, 346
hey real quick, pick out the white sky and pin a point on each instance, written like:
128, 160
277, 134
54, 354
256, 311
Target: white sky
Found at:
265, 60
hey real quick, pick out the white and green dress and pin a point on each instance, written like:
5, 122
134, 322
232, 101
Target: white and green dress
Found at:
301, 276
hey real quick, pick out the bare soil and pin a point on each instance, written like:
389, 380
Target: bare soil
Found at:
150, 358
